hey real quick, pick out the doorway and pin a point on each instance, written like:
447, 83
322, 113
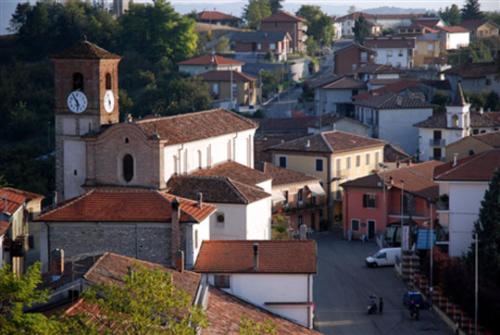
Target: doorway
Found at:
371, 229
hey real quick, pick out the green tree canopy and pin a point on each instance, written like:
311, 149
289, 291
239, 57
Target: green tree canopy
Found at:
451, 15
255, 11
275, 5
472, 10
361, 29
319, 24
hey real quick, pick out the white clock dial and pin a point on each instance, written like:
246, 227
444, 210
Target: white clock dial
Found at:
77, 102
109, 101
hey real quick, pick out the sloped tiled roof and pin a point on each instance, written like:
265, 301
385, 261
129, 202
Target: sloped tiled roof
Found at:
215, 189
392, 153
237, 256
371, 68
283, 176
328, 142
195, 126
210, 60
472, 25
453, 29
11, 199
4, 226
492, 139
213, 15
236, 171
394, 101
125, 204
259, 36
479, 167
474, 70
226, 76
283, 16
418, 179
225, 312
390, 42
477, 120
85, 50
345, 82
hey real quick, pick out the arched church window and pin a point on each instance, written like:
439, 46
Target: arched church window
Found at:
108, 81
128, 167
454, 120
77, 81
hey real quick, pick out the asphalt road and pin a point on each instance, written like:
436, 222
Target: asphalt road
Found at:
342, 287
282, 107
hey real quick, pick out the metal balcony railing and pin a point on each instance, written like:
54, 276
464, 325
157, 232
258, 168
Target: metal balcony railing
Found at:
437, 142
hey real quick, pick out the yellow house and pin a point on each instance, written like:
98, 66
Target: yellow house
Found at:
333, 157
244, 86
427, 50
481, 28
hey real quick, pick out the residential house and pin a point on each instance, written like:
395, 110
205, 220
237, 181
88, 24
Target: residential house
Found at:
333, 157
348, 21
336, 96
337, 29
373, 203
137, 222
351, 57
454, 37
295, 26
207, 63
274, 275
476, 77
218, 18
427, 45
481, 28
462, 184
231, 89
430, 22
442, 129
377, 75
17, 237
275, 44
242, 196
297, 197
222, 310
391, 117
473, 144
395, 51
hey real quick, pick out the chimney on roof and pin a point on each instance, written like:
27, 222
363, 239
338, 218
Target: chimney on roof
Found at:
256, 256
200, 200
455, 159
481, 110
56, 263
175, 243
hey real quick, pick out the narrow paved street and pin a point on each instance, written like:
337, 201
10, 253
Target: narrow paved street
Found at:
342, 287
282, 107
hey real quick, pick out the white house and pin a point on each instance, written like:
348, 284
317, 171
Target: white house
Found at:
395, 51
336, 95
205, 63
243, 207
274, 275
391, 117
442, 129
454, 37
462, 185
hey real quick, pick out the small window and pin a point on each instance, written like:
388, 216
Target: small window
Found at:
300, 195
339, 167
348, 162
196, 239
367, 159
376, 158
126, 139
319, 165
222, 281
355, 225
285, 194
471, 152
369, 201
437, 153
475, 131
109, 85
128, 167
200, 159
300, 220
454, 121
75, 172
358, 160
220, 217
283, 162
77, 81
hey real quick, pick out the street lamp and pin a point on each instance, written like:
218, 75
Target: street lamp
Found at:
402, 211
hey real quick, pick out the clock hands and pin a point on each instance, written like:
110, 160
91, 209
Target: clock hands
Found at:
77, 103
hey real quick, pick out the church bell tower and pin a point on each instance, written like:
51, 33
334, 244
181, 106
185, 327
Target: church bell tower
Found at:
86, 98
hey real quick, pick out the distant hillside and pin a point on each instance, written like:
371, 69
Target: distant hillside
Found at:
395, 10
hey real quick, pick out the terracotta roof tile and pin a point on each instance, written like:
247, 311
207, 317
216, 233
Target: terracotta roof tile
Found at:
418, 179
213, 15
210, 60
395, 101
259, 36
225, 312
236, 171
492, 139
11, 199
328, 142
345, 83
371, 68
215, 189
283, 16
226, 76
4, 226
453, 29
474, 70
472, 25
283, 176
195, 126
237, 256
478, 167
477, 120
384, 42
125, 205
85, 50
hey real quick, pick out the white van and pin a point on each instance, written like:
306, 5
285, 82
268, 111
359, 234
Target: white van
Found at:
383, 257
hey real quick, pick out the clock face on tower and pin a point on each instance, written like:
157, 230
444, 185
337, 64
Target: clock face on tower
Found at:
109, 101
77, 102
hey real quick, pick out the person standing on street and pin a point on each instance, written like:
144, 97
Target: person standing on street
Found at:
381, 305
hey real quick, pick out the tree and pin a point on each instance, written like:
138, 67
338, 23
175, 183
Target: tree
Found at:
319, 24
19, 293
223, 45
255, 11
275, 5
351, 10
361, 29
472, 10
492, 102
451, 15
145, 302
250, 327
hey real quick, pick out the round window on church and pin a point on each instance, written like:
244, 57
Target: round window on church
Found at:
128, 167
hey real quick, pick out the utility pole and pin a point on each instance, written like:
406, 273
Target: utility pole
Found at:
431, 274
476, 281
231, 88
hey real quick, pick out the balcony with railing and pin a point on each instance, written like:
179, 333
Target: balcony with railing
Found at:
437, 142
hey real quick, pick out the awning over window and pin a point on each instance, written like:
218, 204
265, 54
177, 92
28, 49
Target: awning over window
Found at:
316, 189
277, 196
